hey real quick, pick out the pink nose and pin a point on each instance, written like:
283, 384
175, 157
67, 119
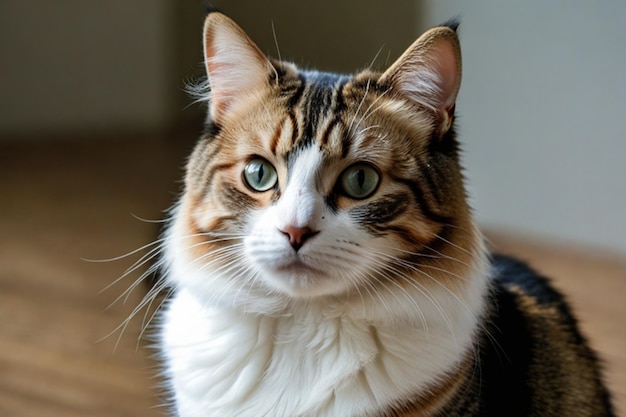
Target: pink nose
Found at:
298, 235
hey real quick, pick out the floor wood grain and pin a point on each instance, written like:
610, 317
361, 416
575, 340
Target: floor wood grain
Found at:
66, 201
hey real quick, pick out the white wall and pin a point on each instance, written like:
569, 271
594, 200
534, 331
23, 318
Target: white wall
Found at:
83, 65
542, 114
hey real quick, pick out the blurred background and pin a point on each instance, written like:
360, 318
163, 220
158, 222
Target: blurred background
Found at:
540, 110
95, 127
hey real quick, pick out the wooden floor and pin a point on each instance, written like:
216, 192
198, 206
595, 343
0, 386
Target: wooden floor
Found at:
63, 202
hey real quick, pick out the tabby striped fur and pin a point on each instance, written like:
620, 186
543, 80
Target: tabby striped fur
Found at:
303, 300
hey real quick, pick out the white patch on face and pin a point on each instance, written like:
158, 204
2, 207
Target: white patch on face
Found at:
301, 205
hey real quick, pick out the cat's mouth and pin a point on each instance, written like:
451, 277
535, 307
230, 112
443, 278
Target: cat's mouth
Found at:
299, 267
298, 278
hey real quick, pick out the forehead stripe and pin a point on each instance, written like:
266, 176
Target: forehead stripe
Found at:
321, 99
297, 95
328, 130
276, 137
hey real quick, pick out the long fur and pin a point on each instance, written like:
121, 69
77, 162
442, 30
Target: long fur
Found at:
390, 306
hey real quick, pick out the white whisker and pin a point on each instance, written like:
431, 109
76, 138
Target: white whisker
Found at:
276, 41
136, 265
454, 245
376, 57
157, 221
126, 255
356, 113
368, 112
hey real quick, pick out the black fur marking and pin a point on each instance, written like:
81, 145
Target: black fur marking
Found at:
507, 352
431, 174
340, 106
331, 202
209, 7
319, 100
211, 129
510, 271
376, 214
504, 389
418, 195
276, 137
446, 145
325, 135
452, 23
371, 85
346, 142
438, 244
513, 272
215, 149
340, 103
295, 131
297, 94
235, 200
211, 174
404, 233
435, 248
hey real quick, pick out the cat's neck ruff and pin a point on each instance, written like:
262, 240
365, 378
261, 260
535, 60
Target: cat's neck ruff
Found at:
318, 359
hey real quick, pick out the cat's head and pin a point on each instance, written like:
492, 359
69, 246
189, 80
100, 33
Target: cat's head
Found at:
311, 185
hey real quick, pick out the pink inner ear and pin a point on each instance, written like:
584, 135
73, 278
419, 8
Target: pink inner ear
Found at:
429, 72
446, 66
220, 97
222, 90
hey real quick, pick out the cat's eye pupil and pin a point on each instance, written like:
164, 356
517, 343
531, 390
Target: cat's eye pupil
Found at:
361, 178
359, 181
261, 170
259, 175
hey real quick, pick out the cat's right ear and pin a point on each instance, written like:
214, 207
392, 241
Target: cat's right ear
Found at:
429, 73
235, 66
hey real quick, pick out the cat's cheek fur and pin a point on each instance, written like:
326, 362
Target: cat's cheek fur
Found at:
227, 284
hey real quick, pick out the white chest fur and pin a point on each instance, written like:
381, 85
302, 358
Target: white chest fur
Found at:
311, 363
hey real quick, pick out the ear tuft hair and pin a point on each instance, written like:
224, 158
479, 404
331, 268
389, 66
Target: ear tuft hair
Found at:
452, 23
209, 7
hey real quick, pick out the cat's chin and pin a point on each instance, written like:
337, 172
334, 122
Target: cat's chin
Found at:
299, 280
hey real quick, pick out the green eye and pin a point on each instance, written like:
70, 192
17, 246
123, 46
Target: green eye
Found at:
260, 175
359, 181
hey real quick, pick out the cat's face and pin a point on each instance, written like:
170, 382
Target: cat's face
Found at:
328, 207
318, 185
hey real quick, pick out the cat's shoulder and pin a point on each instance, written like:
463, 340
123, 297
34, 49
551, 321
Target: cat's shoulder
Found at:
533, 351
515, 276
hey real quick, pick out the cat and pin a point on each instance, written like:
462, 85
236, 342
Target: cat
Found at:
325, 262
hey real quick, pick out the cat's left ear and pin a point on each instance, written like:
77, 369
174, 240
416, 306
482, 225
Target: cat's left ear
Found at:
235, 66
429, 73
